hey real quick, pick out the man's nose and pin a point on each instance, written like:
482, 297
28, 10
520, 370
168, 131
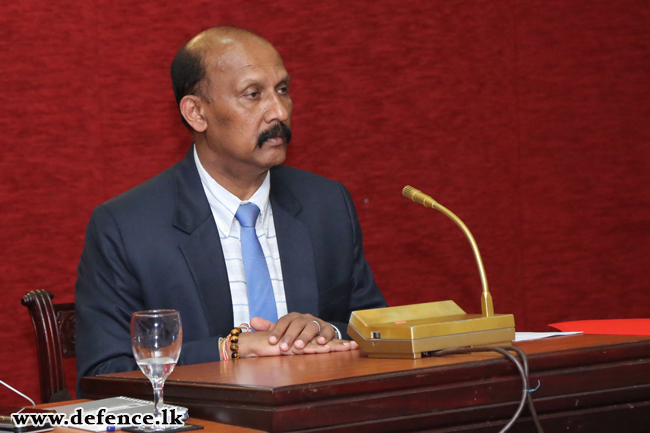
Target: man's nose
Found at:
279, 108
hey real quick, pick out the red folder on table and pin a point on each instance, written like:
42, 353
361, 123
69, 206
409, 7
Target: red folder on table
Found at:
606, 327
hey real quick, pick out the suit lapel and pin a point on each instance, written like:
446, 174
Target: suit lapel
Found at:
202, 249
295, 247
204, 256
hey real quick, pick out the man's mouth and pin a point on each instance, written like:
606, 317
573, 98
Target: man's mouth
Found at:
275, 141
275, 135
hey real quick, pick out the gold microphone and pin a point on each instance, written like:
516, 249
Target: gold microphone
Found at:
408, 331
419, 197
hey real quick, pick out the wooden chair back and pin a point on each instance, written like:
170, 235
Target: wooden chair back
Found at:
54, 328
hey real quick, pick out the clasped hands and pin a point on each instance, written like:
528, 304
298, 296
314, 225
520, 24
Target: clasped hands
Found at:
293, 334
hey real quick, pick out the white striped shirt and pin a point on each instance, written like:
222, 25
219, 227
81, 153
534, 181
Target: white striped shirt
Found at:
224, 205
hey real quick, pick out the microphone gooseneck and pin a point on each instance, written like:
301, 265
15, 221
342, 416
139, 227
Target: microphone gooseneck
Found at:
418, 196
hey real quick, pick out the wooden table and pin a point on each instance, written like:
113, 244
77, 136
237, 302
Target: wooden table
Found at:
589, 383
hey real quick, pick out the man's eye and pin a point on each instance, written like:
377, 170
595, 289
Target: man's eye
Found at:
253, 95
283, 90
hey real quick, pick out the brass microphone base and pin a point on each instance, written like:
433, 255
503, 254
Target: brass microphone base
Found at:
408, 331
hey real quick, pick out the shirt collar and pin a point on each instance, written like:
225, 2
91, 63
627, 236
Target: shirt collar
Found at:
224, 204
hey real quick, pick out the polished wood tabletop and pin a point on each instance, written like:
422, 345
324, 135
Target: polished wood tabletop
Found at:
582, 377
282, 371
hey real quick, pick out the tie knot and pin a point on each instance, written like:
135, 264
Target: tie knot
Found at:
247, 214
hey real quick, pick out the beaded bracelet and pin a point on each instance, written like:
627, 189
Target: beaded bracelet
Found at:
232, 342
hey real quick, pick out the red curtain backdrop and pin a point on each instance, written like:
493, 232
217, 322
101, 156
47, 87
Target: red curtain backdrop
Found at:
529, 119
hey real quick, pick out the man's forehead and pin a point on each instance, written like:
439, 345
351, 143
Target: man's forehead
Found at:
218, 41
219, 36
244, 59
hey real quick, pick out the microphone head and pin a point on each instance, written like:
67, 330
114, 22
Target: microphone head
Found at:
418, 196
408, 191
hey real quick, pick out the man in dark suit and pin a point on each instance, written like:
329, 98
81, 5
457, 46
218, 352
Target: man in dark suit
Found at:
170, 243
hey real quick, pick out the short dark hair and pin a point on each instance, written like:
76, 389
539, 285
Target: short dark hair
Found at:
187, 72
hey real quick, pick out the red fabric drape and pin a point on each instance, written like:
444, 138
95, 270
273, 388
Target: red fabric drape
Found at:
528, 119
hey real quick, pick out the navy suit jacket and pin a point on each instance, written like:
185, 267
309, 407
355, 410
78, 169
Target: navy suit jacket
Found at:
157, 247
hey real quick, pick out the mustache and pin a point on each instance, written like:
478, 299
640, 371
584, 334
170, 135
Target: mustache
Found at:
278, 130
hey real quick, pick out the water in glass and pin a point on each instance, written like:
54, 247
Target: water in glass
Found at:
156, 338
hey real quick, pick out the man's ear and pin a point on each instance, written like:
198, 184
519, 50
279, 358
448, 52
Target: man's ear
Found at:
190, 107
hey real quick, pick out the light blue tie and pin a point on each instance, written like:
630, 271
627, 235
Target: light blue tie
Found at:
261, 300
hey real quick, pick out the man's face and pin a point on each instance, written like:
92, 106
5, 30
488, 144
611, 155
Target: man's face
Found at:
248, 91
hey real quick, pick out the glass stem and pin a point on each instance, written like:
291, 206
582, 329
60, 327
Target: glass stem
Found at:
158, 401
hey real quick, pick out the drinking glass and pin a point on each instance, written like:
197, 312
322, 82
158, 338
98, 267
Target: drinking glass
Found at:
156, 338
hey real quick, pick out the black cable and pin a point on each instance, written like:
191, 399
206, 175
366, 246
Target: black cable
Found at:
531, 406
506, 354
523, 373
